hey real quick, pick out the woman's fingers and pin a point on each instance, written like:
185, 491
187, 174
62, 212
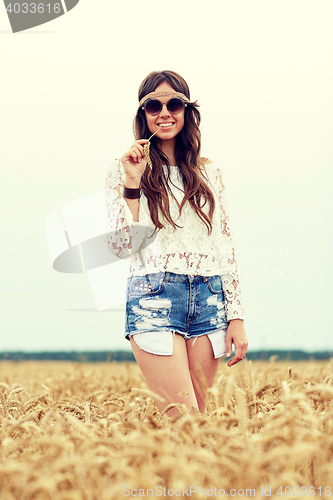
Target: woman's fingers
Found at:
236, 335
239, 354
136, 152
240, 351
141, 141
138, 145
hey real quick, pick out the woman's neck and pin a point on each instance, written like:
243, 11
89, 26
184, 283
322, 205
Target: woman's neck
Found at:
168, 148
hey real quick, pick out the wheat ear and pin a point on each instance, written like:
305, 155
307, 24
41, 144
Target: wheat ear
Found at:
146, 150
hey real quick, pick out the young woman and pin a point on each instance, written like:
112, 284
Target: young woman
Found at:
167, 211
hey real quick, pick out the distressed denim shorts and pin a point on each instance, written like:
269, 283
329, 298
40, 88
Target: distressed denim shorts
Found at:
161, 304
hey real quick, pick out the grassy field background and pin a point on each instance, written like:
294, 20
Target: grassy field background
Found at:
74, 431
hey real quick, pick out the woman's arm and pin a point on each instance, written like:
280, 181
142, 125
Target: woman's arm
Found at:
133, 205
134, 164
124, 232
230, 281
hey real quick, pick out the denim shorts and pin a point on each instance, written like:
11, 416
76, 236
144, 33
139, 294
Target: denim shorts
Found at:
161, 304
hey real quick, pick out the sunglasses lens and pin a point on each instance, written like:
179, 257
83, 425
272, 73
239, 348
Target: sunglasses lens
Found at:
175, 106
153, 107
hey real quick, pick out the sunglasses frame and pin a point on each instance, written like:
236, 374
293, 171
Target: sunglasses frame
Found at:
162, 104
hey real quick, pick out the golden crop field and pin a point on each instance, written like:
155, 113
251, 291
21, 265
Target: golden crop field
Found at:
92, 432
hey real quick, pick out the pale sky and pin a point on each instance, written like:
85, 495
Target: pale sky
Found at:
262, 73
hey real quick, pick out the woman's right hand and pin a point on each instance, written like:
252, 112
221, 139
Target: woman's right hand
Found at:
134, 162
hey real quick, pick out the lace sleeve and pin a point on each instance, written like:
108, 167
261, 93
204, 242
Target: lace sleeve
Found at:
230, 279
124, 235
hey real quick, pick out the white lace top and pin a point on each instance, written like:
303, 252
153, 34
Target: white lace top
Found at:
185, 250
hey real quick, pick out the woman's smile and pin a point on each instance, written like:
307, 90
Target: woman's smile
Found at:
165, 125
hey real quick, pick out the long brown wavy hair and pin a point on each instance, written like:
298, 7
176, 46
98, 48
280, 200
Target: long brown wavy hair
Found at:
155, 182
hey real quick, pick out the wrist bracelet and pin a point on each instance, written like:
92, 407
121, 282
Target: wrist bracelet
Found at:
132, 193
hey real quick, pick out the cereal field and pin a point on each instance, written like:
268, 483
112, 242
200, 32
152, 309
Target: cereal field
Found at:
91, 431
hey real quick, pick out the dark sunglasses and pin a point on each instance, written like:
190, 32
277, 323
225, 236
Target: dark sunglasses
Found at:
154, 106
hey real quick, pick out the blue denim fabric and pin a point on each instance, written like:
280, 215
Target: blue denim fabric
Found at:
188, 305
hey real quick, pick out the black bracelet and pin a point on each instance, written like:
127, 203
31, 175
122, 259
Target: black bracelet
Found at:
132, 193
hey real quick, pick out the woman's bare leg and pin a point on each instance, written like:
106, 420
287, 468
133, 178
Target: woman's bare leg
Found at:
201, 353
167, 375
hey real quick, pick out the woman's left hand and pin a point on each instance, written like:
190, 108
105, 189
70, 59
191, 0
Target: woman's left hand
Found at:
236, 335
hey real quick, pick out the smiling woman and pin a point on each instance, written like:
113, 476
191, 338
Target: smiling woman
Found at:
184, 308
